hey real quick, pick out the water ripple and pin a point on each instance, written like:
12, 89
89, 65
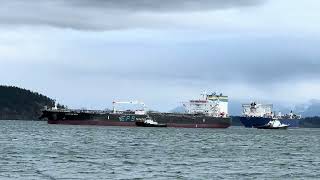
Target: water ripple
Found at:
35, 150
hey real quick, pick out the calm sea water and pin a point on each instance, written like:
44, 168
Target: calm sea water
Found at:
35, 150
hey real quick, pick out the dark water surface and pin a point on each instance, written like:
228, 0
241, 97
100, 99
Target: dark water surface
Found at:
35, 150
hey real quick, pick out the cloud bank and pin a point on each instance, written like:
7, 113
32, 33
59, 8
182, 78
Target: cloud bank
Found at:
107, 15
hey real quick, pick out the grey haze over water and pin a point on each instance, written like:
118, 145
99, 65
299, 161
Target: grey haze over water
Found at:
89, 53
36, 150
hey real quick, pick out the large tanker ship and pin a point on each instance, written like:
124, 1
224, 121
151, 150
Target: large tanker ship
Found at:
257, 115
210, 111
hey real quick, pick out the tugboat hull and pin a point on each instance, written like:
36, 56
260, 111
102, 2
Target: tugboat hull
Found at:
143, 124
269, 127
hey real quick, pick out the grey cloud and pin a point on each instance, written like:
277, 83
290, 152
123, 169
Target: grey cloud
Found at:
164, 5
105, 15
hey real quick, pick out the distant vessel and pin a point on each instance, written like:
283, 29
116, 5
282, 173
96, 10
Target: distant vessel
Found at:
258, 115
211, 111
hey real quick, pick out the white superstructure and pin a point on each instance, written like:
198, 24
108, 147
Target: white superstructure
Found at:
257, 110
209, 104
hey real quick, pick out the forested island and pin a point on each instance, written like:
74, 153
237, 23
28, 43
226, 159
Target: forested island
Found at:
21, 104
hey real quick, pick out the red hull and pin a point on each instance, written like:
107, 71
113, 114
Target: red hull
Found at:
108, 123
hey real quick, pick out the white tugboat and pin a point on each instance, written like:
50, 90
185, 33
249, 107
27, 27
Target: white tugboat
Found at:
148, 122
274, 124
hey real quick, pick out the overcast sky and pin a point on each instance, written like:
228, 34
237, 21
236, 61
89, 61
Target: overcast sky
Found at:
87, 53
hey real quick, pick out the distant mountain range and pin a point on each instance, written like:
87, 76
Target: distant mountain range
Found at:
179, 109
309, 109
